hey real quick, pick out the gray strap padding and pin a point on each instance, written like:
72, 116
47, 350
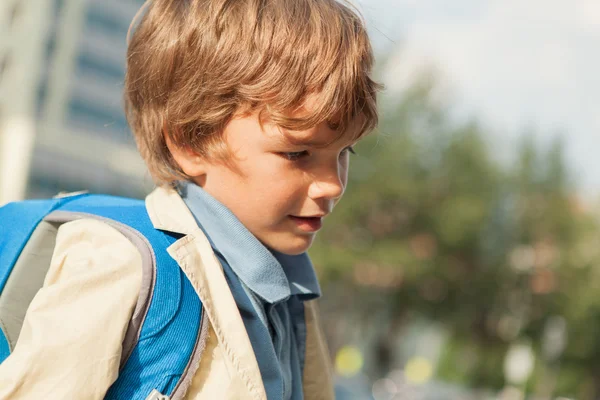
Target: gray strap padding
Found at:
26, 278
141, 309
148, 274
32, 267
30, 270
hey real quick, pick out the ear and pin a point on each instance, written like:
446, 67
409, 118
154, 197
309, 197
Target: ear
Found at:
190, 163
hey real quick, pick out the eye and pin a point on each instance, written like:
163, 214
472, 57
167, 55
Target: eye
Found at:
294, 155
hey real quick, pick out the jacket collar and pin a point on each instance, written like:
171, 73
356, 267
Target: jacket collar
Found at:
169, 213
196, 259
193, 253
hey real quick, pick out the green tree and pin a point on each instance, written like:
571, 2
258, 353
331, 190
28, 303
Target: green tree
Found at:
432, 225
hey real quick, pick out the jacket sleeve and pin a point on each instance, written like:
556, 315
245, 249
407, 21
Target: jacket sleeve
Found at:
70, 343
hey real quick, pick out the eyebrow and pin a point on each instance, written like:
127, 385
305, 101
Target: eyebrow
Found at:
311, 142
288, 137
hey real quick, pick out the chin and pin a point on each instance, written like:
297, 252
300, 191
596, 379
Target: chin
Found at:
294, 246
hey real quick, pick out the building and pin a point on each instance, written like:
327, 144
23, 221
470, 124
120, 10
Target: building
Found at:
61, 119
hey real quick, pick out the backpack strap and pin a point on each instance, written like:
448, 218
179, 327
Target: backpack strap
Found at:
23, 233
167, 333
22, 218
170, 327
148, 272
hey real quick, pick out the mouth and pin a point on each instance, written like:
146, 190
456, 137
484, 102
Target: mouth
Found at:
308, 224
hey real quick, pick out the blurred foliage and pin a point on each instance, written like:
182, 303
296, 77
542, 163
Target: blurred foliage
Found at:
432, 225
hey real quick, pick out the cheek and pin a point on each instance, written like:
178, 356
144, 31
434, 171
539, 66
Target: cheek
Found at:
274, 185
275, 172
281, 190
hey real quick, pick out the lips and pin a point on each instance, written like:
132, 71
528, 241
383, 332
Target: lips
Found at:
308, 224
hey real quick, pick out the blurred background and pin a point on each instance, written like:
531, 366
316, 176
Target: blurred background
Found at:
464, 261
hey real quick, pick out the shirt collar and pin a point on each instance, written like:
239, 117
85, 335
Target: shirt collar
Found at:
271, 275
301, 275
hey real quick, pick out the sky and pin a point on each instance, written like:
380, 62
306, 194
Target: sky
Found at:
515, 65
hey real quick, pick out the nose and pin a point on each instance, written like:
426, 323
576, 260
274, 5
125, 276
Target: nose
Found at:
328, 183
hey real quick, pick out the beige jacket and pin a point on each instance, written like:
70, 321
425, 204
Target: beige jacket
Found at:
70, 343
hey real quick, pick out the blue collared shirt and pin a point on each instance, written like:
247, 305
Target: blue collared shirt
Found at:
269, 289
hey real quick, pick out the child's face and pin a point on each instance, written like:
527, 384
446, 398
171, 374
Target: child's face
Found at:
279, 190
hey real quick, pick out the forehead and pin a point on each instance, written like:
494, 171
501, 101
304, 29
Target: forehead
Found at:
294, 127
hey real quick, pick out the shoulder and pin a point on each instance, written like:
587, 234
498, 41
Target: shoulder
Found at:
89, 234
85, 245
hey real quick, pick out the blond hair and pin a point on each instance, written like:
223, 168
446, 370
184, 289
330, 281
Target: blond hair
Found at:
192, 65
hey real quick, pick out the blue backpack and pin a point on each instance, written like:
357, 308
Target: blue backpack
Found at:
167, 332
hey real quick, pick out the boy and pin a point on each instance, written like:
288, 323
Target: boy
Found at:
245, 112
